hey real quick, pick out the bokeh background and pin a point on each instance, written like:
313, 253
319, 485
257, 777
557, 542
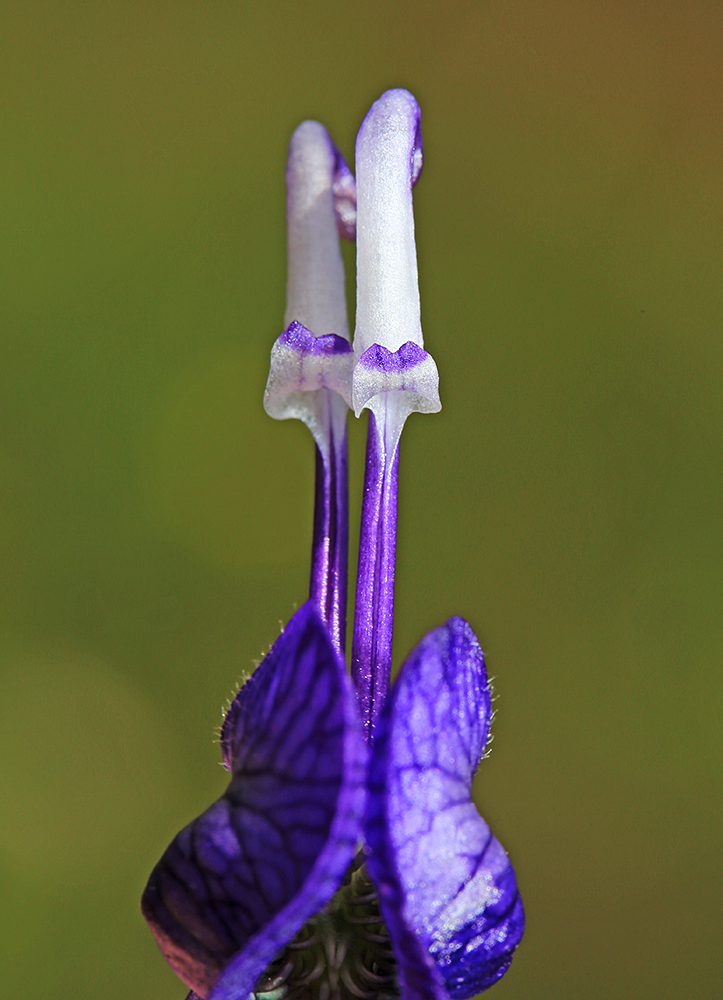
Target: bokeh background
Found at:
155, 524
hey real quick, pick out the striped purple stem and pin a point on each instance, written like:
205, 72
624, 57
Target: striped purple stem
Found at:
330, 545
371, 656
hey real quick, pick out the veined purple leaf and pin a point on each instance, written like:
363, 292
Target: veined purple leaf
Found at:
442, 876
238, 882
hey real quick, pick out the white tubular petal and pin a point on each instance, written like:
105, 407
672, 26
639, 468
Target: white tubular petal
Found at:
388, 158
310, 376
315, 291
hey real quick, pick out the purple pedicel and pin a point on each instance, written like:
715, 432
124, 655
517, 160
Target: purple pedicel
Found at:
446, 887
330, 544
371, 654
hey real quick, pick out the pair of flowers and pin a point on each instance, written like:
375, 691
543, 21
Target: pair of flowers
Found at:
346, 858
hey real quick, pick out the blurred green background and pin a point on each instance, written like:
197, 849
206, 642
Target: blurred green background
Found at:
155, 524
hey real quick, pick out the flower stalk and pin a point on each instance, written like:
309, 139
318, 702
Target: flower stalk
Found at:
393, 375
371, 656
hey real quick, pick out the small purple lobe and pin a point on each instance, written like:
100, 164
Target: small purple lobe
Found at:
417, 153
378, 358
444, 881
298, 337
344, 192
238, 882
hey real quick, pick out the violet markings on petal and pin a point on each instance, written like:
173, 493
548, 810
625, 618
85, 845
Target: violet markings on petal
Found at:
393, 375
446, 887
311, 362
239, 881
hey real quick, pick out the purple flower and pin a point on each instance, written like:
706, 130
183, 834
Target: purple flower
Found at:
346, 858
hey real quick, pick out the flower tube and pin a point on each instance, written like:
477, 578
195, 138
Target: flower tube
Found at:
311, 361
393, 375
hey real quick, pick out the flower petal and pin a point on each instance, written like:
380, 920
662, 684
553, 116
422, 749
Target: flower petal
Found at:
320, 203
388, 161
237, 883
301, 365
429, 845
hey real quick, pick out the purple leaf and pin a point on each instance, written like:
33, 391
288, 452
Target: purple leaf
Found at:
442, 877
237, 883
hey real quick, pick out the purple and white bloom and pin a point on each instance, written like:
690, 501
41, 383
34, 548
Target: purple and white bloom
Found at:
346, 858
